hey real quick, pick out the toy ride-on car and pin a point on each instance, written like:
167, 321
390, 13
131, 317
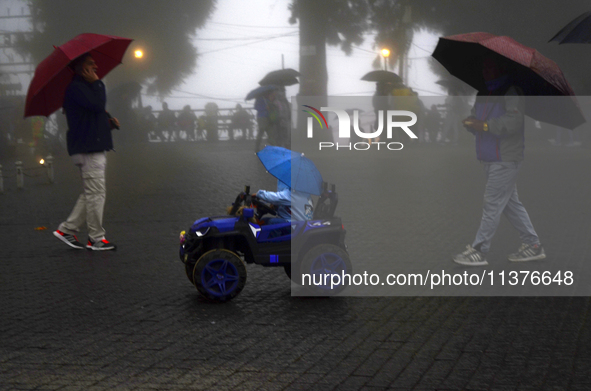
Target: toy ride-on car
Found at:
214, 250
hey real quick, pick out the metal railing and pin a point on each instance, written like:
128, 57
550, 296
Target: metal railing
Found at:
20, 172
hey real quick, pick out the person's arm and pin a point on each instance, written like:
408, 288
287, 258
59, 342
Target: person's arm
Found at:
275, 197
507, 124
113, 122
469, 121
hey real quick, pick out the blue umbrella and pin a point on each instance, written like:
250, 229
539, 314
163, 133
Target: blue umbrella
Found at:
259, 91
292, 168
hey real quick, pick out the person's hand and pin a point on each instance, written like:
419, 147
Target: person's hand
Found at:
114, 123
473, 123
89, 74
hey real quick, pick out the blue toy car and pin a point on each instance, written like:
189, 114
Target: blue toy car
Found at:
214, 250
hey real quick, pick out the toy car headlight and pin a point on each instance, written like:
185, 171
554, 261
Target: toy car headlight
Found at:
202, 231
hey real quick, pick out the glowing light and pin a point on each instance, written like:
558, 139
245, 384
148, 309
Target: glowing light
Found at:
42, 161
385, 52
138, 53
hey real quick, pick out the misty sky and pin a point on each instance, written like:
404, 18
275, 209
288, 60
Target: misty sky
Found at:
237, 52
243, 40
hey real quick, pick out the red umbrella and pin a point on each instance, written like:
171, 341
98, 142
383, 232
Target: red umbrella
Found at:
52, 75
462, 56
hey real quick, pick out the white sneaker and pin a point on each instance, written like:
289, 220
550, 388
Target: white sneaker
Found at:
100, 245
528, 252
471, 257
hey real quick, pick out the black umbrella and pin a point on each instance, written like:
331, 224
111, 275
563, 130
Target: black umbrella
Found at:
577, 31
462, 56
280, 77
383, 76
259, 91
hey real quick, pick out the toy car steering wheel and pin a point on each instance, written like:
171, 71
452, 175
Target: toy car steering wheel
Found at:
262, 207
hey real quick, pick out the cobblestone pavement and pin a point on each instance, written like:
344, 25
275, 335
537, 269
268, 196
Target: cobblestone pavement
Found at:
130, 319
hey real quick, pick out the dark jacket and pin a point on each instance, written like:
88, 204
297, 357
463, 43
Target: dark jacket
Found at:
88, 121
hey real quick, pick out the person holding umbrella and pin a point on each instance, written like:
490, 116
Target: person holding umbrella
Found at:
89, 138
385, 81
283, 121
267, 117
497, 121
504, 71
70, 78
380, 102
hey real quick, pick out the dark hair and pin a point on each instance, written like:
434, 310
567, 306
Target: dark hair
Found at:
76, 64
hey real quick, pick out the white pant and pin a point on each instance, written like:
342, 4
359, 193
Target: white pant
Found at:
500, 197
91, 203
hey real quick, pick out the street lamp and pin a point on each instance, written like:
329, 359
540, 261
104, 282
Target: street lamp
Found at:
385, 54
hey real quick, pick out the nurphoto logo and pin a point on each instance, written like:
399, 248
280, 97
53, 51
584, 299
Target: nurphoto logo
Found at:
392, 122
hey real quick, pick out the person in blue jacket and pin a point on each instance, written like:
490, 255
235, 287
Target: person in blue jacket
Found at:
289, 204
88, 138
497, 121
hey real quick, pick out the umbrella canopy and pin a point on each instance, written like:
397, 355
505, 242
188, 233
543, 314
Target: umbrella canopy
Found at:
259, 91
382, 76
52, 76
462, 55
292, 168
280, 77
577, 31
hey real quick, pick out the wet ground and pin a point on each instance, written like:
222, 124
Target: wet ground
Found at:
130, 319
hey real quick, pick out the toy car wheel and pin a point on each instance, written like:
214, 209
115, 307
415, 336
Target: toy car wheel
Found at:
219, 275
189, 267
322, 260
287, 269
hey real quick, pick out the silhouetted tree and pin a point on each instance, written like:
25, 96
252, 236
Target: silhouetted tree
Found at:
332, 22
163, 29
531, 22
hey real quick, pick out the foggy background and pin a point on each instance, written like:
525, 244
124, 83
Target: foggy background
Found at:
217, 51
131, 318
409, 210
196, 52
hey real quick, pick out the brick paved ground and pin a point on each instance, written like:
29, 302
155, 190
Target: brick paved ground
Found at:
75, 320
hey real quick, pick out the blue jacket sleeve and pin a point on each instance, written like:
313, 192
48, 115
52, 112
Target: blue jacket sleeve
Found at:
276, 198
